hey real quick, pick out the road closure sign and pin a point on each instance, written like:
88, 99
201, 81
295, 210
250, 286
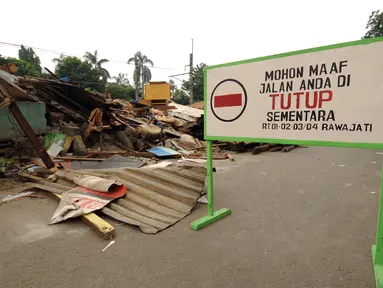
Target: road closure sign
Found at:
330, 96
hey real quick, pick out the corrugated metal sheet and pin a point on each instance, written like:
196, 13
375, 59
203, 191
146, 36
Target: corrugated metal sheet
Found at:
157, 197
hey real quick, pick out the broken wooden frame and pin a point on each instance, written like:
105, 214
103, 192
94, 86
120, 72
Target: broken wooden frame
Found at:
213, 216
27, 129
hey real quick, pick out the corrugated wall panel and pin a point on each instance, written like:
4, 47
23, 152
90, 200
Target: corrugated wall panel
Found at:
34, 113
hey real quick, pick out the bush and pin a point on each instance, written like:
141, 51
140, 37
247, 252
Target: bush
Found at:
121, 91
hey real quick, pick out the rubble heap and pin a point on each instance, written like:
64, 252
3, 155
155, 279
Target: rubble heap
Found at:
103, 140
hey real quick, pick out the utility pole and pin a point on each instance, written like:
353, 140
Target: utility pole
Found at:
191, 77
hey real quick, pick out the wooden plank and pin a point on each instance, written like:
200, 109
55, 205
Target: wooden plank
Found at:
289, 148
127, 152
105, 153
28, 131
130, 152
215, 156
97, 224
260, 149
44, 182
67, 144
74, 158
275, 149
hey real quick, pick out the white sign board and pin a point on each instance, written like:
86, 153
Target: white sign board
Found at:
328, 95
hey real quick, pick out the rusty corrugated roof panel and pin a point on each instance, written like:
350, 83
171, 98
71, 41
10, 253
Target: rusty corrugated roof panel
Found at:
156, 197
70, 98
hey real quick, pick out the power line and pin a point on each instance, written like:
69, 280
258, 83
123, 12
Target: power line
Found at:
73, 55
177, 78
187, 73
99, 83
95, 83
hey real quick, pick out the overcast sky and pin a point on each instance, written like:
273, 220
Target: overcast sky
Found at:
223, 31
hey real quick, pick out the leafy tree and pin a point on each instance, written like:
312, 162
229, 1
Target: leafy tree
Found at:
181, 97
57, 60
80, 72
121, 79
97, 63
3, 60
142, 72
23, 67
173, 86
121, 91
197, 75
28, 55
374, 25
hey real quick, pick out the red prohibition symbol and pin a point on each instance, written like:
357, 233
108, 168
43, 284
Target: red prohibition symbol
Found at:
233, 104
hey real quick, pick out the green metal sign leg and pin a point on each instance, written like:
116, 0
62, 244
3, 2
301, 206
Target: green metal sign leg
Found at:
377, 250
210, 177
212, 216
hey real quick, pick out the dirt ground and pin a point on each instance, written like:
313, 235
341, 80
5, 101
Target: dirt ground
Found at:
301, 219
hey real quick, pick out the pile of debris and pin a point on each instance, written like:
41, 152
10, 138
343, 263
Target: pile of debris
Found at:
83, 124
100, 126
88, 149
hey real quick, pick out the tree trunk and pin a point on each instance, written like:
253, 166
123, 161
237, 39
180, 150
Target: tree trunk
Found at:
142, 81
137, 87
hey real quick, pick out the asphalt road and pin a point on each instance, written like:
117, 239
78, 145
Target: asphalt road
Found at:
301, 219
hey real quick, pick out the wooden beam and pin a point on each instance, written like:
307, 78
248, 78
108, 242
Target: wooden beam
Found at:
289, 148
260, 149
96, 223
28, 131
275, 149
78, 158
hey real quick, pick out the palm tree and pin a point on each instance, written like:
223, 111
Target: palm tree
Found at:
97, 64
142, 72
121, 79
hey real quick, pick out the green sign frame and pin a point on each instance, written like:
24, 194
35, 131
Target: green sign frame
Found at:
213, 216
